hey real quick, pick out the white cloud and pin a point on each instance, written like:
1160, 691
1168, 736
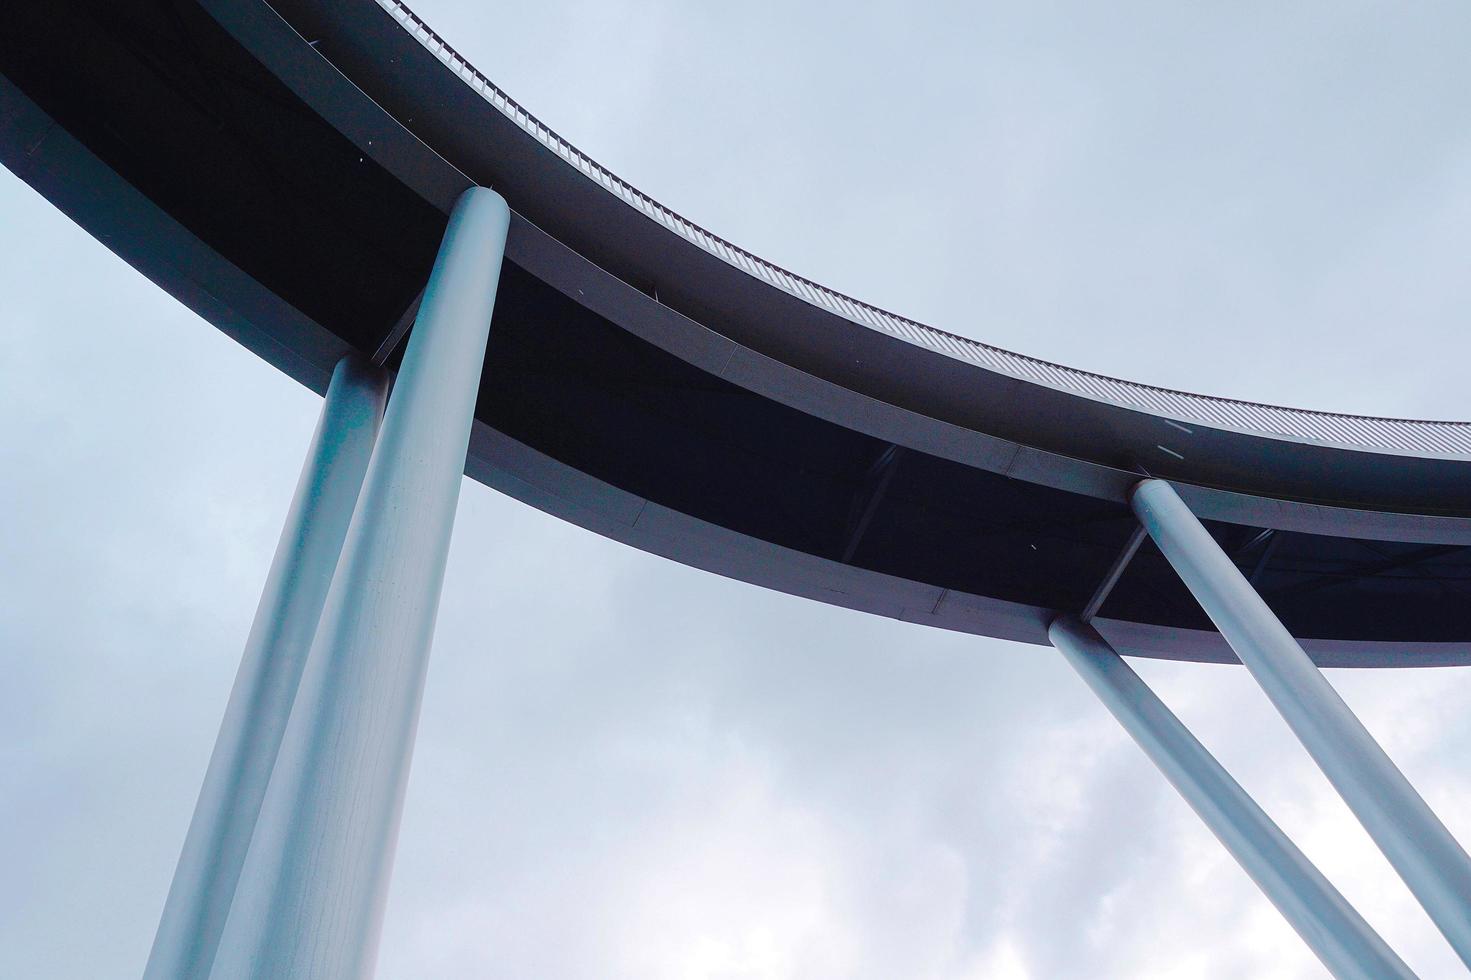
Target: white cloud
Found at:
628, 768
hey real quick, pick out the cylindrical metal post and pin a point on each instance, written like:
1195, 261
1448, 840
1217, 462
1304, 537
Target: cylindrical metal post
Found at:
270, 670
1336, 933
310, 900
1429, 859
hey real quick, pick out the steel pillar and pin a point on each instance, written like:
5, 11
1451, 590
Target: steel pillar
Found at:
1336, 933
1431, 862
270, 670
310, 900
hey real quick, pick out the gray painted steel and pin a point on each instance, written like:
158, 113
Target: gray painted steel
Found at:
270, 670
1112, 576
391, 116
310, 901
1331, 428
370, 74
1429, 859
1331, 927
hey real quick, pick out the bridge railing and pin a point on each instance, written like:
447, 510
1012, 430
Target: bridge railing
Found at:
1356, 431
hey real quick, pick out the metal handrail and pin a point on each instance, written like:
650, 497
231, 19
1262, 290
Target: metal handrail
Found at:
1357, 431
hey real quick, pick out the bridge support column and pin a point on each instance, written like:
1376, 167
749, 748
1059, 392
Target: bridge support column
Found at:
1336, 933
1431, 862
310, 900
270, 670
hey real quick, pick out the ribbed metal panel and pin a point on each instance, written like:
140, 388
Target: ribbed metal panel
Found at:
1396, 435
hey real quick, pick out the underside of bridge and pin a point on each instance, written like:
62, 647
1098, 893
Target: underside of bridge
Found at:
159, 95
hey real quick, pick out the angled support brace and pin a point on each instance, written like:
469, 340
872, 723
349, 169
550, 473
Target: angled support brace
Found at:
1114, 573
1429, 859
866, 502
1336, 933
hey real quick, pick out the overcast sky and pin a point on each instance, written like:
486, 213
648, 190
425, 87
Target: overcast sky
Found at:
631, 769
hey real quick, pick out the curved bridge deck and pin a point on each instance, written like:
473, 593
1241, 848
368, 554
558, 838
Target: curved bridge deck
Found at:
286, 172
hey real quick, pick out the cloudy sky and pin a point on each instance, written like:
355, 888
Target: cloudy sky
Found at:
630, 769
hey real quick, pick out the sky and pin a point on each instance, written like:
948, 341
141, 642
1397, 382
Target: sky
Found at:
631, 769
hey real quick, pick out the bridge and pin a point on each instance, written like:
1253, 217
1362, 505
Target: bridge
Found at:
333, 186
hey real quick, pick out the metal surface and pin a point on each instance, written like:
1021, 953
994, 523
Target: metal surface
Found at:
1369, 432
1429, 859
310, 900
648, 388
283, 168
1111, 578
270, 670
1336, 933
